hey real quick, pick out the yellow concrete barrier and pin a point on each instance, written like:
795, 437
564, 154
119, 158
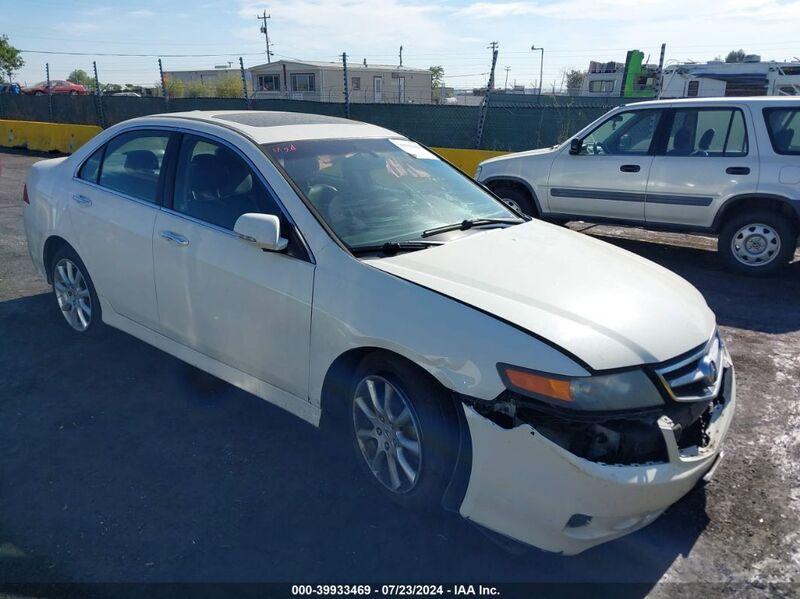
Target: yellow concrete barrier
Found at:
66, 138
466, 160
45, 137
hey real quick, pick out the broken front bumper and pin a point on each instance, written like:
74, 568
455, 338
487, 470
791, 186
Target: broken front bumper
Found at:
524, 486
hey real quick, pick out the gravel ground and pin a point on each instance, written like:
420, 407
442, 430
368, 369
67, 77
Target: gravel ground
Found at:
113, 467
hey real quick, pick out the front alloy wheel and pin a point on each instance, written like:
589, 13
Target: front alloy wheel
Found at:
388, 433
404, 430
72, 294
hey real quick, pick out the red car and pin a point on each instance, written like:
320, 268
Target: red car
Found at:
57, 86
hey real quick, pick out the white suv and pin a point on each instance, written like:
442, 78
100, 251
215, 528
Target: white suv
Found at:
727, 166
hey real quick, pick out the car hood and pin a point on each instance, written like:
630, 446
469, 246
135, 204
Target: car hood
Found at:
602, 304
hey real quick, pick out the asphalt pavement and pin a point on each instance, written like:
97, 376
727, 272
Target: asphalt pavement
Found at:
116, 466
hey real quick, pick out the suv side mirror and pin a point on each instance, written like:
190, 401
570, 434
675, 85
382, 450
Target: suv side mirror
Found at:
262, 230
575, 145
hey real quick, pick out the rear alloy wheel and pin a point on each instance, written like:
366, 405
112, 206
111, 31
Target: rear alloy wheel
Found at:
74, 292
757, 243
404, 430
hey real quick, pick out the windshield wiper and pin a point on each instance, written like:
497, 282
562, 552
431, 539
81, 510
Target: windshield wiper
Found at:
391, 248
469, 223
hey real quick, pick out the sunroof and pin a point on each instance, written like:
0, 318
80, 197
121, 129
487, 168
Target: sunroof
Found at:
278, 119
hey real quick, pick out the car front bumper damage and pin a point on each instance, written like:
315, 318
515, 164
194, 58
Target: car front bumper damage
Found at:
525, 486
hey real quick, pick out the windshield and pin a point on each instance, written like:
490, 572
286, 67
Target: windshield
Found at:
374, 191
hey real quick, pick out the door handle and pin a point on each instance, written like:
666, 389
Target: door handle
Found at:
738, 170
630, 168
81, 200
174, 238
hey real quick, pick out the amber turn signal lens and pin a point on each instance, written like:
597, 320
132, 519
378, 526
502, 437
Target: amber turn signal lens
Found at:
539, 385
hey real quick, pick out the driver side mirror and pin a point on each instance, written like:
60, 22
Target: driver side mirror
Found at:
262, 230
575, 145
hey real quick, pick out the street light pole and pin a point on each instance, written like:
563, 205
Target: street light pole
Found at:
541, 66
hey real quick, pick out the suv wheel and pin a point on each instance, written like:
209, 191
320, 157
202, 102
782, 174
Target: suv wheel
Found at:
760, 242
518, 199
402, 432
74, 292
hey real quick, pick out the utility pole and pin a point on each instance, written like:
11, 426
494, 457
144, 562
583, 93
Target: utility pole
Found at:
401, 56
263, 18
541, 67
346, 86
505, 85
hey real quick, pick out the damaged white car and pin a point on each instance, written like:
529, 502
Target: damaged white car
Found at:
550, 387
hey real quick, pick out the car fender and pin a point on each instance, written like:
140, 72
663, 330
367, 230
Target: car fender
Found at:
358, 306
531, 169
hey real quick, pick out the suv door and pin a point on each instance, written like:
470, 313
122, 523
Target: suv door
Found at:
113, 203
223, 296
608, 176
704, 159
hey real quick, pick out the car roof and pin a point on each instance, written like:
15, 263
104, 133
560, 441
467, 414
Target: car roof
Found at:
264, 126
726, 100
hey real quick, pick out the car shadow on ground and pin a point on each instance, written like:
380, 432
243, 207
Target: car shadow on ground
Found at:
767, 305
116, 469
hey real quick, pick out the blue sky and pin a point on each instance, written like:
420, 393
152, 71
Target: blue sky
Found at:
452, 33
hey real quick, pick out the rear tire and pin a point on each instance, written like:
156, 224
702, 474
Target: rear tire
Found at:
415, 429
757, 242
74, 292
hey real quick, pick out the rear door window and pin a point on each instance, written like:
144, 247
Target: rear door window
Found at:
783, 125
91, 168
704, 132
132, 164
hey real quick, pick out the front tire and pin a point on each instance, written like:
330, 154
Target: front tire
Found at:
74, 292
516, 198
403, 431
757, 243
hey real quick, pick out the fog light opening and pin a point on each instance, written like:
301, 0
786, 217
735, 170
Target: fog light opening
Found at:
578, 520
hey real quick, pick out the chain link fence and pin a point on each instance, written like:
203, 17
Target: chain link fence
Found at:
511, 124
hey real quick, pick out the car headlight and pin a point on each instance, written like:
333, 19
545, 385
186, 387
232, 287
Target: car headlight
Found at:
477, 176
618, 391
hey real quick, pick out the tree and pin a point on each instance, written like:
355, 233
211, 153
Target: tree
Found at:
81, 77
10, 59
574, 79
735, 56
228, 86
437, 76
196, 89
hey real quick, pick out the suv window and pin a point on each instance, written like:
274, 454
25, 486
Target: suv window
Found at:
215, 185
132, 164
707, 132
783, 125
625, 133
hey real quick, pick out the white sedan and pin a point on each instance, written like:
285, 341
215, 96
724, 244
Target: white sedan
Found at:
550, 387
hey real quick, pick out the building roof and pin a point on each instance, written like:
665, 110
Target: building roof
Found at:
272, 126
337, 66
